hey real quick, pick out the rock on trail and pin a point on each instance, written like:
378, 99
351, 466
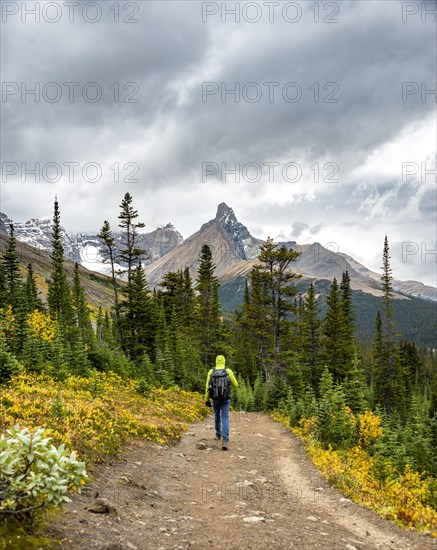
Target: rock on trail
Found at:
263, 493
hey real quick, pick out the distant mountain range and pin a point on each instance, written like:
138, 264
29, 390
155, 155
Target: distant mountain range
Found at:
85, 248
234, 250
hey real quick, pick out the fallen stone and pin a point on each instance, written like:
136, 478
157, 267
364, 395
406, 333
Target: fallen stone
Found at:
244, 483
356, 542
350, 547
102, 506
262, 479
312, 518
201, 446
254, 519
190, 433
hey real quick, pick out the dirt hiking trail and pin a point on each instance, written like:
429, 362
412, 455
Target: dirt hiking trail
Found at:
263, 493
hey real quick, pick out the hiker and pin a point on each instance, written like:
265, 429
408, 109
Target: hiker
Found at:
218, 388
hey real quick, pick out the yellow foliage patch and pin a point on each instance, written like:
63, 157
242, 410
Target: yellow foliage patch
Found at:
95, 416
369, 428
41, 325
400, 498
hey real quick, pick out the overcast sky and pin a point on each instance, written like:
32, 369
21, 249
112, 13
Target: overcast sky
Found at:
329, 128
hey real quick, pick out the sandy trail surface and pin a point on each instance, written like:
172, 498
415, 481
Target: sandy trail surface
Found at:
263, 493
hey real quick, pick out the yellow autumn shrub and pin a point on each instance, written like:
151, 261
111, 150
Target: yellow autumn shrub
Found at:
369, 428
401, 498
96, 415
41, 325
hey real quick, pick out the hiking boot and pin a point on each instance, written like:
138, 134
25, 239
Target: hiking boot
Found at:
225, 445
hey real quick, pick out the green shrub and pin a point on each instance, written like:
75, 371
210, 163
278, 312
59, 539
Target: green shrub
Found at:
8, 364
35, 474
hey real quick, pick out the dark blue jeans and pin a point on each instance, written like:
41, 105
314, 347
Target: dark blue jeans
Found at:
221, 418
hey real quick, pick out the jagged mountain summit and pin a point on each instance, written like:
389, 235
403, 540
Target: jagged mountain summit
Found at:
229, 240
235, 253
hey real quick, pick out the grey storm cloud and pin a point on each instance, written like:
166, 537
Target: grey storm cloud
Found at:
297, 228
350, 76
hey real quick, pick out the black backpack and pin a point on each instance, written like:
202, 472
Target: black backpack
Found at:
220, 385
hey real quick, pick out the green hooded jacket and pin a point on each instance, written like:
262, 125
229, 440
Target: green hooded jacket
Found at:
220, 363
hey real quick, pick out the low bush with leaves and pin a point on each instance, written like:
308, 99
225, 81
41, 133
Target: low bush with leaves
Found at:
97, 415
35, 474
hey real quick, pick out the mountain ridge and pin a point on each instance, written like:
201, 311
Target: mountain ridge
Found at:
234, 252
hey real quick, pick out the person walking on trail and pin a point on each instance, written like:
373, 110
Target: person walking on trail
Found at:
218, 388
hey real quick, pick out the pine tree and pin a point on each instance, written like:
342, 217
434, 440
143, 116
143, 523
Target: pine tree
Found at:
9, 365
333, 423
355, 387
147, 371
387, 379
130, 254
280, 285
189, 303
21, 311
310, 338
100, 334
348, 334
80, 308
3, 289
140, 318
58, 296
109, 253
11, 266
265, 314
208, 313
33, 300
60, 352
259, 394
333, 332
249, 336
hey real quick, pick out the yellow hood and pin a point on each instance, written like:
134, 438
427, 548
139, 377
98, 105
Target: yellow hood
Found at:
220, 362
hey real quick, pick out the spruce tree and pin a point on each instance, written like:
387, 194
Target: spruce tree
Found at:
140, 318
333, 333
348, 344
339, 329
58, 296
3, 289
208, 312
11, 265
387, 379
274, 263
130, 253
109, 253
80, 308
268, 304
33, 300
310, 338
355, 387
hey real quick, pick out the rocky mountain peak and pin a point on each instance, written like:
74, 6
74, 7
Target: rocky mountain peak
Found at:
246, 247
225, 213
